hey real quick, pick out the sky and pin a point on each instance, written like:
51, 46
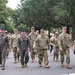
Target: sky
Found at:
13, 3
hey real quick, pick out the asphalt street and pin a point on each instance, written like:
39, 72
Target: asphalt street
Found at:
34, 69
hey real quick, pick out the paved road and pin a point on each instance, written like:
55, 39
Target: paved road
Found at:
33, 69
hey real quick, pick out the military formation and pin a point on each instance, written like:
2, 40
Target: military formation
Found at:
38, 44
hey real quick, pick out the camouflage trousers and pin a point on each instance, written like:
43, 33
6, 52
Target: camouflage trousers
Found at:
56, 53
16, 54
64, 52
33, 53
42, 54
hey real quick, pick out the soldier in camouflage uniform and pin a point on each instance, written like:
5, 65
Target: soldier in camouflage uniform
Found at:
42, 45
14, 45
55, 47
64, 45
32, 36
4, 44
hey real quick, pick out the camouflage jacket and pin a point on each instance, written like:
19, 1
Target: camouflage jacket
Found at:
42, 42
64, 40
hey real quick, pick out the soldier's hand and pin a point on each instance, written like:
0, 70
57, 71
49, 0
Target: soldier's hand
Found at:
18, 49
34, 45
60, 49
8, 49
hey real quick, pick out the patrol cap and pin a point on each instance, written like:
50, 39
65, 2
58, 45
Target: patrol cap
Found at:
1, 28
23, 30
32, 28
42, 30
6, 31
15, 29
64, 27
56, 33
37, 31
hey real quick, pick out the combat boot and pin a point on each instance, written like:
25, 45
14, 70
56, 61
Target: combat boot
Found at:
15, 60
33, 59
57, 60
40, 65
68, 66
3, 68
62, 65
0, 65
23, 66
47, 66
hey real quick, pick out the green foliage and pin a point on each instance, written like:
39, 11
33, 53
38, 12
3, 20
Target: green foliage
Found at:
46, 14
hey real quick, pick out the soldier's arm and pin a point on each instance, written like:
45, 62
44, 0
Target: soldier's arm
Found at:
69, 42
59, 42
52, 40
18, 48
18, 42
36, 40
48, 42
28, 41
29, 36
7, 41
11, 42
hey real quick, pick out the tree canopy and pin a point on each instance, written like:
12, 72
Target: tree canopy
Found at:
46, 14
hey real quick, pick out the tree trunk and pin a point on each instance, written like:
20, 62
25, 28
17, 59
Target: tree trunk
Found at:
73, 32
49, 32
68, 27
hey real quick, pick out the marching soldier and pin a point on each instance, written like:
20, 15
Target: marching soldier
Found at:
32, 36
55, 46
42, 45
4, 44
24, 44
14, 45
64, 45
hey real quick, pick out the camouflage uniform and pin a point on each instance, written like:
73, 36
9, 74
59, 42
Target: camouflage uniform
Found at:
64, 43
42, 45
14, 44
32, 37
55, 48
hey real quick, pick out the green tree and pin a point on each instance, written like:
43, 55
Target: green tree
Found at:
46, 14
